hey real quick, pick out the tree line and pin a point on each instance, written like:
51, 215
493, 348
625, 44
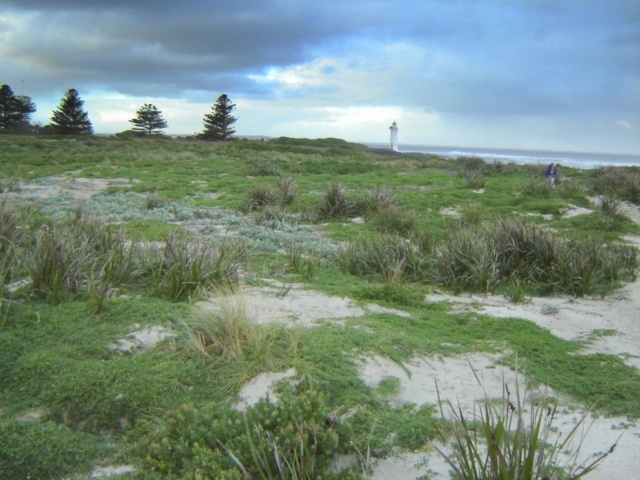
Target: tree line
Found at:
70, 118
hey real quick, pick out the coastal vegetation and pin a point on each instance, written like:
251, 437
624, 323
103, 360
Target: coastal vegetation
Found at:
174, 222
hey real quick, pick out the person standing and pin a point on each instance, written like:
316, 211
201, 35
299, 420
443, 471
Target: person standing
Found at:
551, 172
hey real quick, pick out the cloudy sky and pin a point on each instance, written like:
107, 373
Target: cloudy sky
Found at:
531, 74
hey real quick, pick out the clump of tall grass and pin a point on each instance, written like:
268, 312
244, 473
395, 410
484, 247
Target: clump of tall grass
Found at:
259, 197
395, 220
10, 185
12, 237
82, 255
301, 261
474, 180
375, 200
262, 168
620, 181
228, 331
464, 262
262, 197
191, 266
510, 250
335, 203
538, 187
514, 440
509, 255
609, 215
471, 213
390, 257
153, 201
287, 190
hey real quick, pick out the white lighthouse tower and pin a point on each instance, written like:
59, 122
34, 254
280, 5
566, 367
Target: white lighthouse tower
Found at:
394, 136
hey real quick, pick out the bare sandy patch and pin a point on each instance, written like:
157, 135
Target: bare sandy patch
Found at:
79, 188
291, 305
582, 320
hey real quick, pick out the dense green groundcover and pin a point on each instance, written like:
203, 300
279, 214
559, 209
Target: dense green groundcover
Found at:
176, 221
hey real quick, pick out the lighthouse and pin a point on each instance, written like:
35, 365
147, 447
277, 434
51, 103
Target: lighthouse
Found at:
394, 136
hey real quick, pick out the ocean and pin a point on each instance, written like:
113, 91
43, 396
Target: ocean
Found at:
541, 157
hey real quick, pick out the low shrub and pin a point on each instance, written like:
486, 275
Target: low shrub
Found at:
287, 440
45, 450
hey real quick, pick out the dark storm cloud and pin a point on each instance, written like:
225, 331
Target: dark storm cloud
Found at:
528, 57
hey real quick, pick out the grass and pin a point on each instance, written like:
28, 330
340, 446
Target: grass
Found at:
181, 221
515, 440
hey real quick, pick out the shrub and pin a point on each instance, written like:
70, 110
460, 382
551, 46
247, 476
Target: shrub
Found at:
44, 450
469, 164
287, 440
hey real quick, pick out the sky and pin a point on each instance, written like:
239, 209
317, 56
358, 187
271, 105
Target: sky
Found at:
528, 74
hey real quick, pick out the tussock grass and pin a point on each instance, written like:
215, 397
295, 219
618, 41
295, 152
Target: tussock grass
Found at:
617, 181
227, 332
260, 197
376, 200
508, 254
191, 266
83, 255
335, 203
396, 220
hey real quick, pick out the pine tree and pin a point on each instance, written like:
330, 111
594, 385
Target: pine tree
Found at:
15, 110
217, 124
148, 120
70, 118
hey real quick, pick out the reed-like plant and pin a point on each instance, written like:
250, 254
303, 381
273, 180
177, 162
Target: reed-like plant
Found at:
471, 213
335, 203
191, 266
538, 187
514, 439
260, 197
375, 200
287, 190
382, 255
395, 220
474, 180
